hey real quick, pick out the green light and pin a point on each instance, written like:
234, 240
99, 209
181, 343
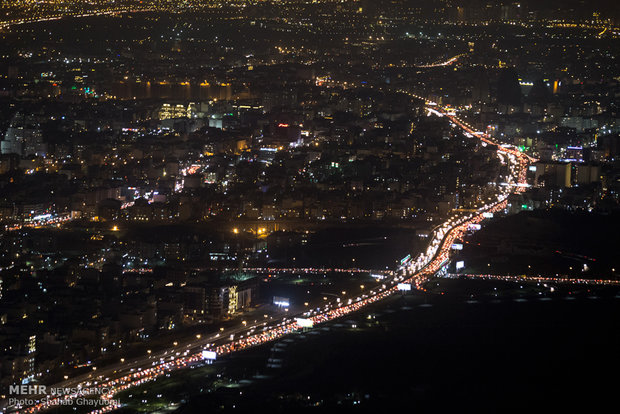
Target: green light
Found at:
524, 206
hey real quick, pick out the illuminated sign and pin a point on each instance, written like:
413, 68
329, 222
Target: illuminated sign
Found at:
474, 226
532, 168
304, 323
404, 287
460, 265
405, 259
42, 217
280, 301
209, 355
487, 215
457, 246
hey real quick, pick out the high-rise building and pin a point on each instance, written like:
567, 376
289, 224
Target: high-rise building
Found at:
480, 91
539, 93
508, 88
23, 137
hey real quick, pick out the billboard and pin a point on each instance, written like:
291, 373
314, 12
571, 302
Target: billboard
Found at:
474, 226
304, 323
209, 355
404, 286
280, 301
460, 265
457, 246
487, 215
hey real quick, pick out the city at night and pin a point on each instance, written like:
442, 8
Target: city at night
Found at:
309, 206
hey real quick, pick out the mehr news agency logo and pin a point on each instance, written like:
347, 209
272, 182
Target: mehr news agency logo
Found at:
29, 395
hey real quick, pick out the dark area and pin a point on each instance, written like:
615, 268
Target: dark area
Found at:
534, 356
550, 242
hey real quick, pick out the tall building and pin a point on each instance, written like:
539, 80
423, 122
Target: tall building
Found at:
539, 93
508, 88
480, 91
553, 174
23, 137
587, 174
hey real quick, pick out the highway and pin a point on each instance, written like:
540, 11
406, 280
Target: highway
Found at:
538, 279
108, 381
447, 62
62, 15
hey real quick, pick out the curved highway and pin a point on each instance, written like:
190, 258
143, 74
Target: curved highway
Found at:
108, 381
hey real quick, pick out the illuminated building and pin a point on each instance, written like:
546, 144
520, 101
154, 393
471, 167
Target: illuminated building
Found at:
171, 111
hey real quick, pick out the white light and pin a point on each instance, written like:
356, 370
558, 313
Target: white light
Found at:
304, 323
209, 355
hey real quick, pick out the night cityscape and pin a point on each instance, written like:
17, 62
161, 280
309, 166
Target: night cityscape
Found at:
298, 206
